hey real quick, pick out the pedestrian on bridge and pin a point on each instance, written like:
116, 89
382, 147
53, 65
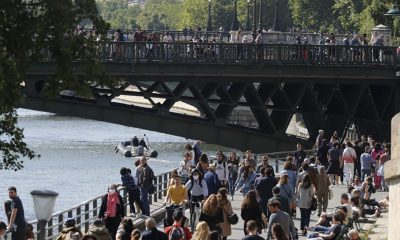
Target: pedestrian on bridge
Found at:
112, 210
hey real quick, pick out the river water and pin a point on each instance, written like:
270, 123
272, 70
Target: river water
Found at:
78, 159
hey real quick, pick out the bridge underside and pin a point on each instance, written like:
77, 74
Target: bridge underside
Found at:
149, 95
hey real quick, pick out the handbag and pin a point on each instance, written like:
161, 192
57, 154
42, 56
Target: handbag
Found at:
314, 204
152, 189
232, 218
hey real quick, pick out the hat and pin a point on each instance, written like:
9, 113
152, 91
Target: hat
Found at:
178, 214
307, 160
98, 223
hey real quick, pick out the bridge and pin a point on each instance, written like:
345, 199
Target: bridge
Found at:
331, 87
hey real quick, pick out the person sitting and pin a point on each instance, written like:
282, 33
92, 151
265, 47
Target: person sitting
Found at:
332, 232
143, 143
135, 141
176, 230
354, 235
346, 207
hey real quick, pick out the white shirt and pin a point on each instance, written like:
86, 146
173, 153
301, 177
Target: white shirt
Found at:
222, 172
167, 38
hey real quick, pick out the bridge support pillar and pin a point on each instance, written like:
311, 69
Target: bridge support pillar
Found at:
392, 176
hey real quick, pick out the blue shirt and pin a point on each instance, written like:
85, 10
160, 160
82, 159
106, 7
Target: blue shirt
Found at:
213, 184
366, 161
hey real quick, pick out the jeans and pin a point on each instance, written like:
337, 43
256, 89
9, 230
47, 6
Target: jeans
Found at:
321, 229
305, 217
364, 173
144, 192
134, 196
231, 187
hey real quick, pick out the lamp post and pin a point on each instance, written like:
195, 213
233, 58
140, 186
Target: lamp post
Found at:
235, 23
260, 15
209, 26
275, 26
43, 202
254, 30
247, 28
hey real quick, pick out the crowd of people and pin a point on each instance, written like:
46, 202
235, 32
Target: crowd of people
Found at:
270, 199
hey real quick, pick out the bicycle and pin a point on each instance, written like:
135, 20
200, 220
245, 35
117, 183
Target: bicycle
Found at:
195, 209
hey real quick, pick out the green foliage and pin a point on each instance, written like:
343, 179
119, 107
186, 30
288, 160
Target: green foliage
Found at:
28, 27
160, 15
118, 13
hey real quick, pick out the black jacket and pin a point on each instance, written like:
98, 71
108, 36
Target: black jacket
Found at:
120, 207
154, 234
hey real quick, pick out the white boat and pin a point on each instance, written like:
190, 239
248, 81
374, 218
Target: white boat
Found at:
134, 148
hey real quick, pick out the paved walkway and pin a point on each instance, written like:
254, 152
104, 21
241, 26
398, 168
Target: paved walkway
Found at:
378, 225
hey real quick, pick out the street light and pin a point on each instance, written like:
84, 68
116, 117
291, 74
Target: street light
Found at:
254, 30
235, 23
43, 202
275, 26
209, 26
247, 28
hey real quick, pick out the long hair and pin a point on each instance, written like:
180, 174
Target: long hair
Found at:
202, 231
211, 205
250, 200
277, 230
222, 196
306, 183
246, 172
284, 179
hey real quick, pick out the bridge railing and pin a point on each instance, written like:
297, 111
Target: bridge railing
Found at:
86, 212
231, 53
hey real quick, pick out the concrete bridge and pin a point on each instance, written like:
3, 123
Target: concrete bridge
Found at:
331, 87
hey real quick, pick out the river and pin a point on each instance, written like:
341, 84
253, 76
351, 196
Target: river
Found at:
78, 159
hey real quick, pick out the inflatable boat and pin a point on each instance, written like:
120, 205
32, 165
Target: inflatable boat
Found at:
134, 148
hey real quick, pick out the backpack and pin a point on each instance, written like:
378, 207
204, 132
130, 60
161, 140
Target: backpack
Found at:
176, 233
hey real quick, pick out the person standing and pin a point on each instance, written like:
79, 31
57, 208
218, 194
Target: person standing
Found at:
112, 210
226, 206
366, 162
221, 169
305, 194
266, 165
299, 155
17, 223
145, 177
133, 190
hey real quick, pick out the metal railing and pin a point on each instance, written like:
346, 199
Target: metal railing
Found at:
86, 212
242, 54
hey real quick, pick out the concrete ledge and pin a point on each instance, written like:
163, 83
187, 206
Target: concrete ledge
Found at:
392, 168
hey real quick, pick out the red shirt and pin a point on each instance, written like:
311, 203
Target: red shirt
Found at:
188, 234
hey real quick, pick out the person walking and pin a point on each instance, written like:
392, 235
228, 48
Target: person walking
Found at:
211, 178
366, 163
349, 157
251, 228
287, 191
17, 223
250, 210
212, 213
112, 210
263, 186
152, 232
305, 194
278, 233
202, 231
335, 163
226, 206
145, 177
246, 180
323, 191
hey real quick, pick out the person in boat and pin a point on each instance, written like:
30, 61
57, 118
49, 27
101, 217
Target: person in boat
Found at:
143, 143
135, 141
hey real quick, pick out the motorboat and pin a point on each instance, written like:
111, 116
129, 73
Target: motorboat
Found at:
135, 148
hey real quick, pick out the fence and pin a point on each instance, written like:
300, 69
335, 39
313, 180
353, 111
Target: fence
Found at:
86, 212
241, 54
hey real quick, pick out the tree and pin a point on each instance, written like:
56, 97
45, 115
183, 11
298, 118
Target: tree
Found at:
27, 28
